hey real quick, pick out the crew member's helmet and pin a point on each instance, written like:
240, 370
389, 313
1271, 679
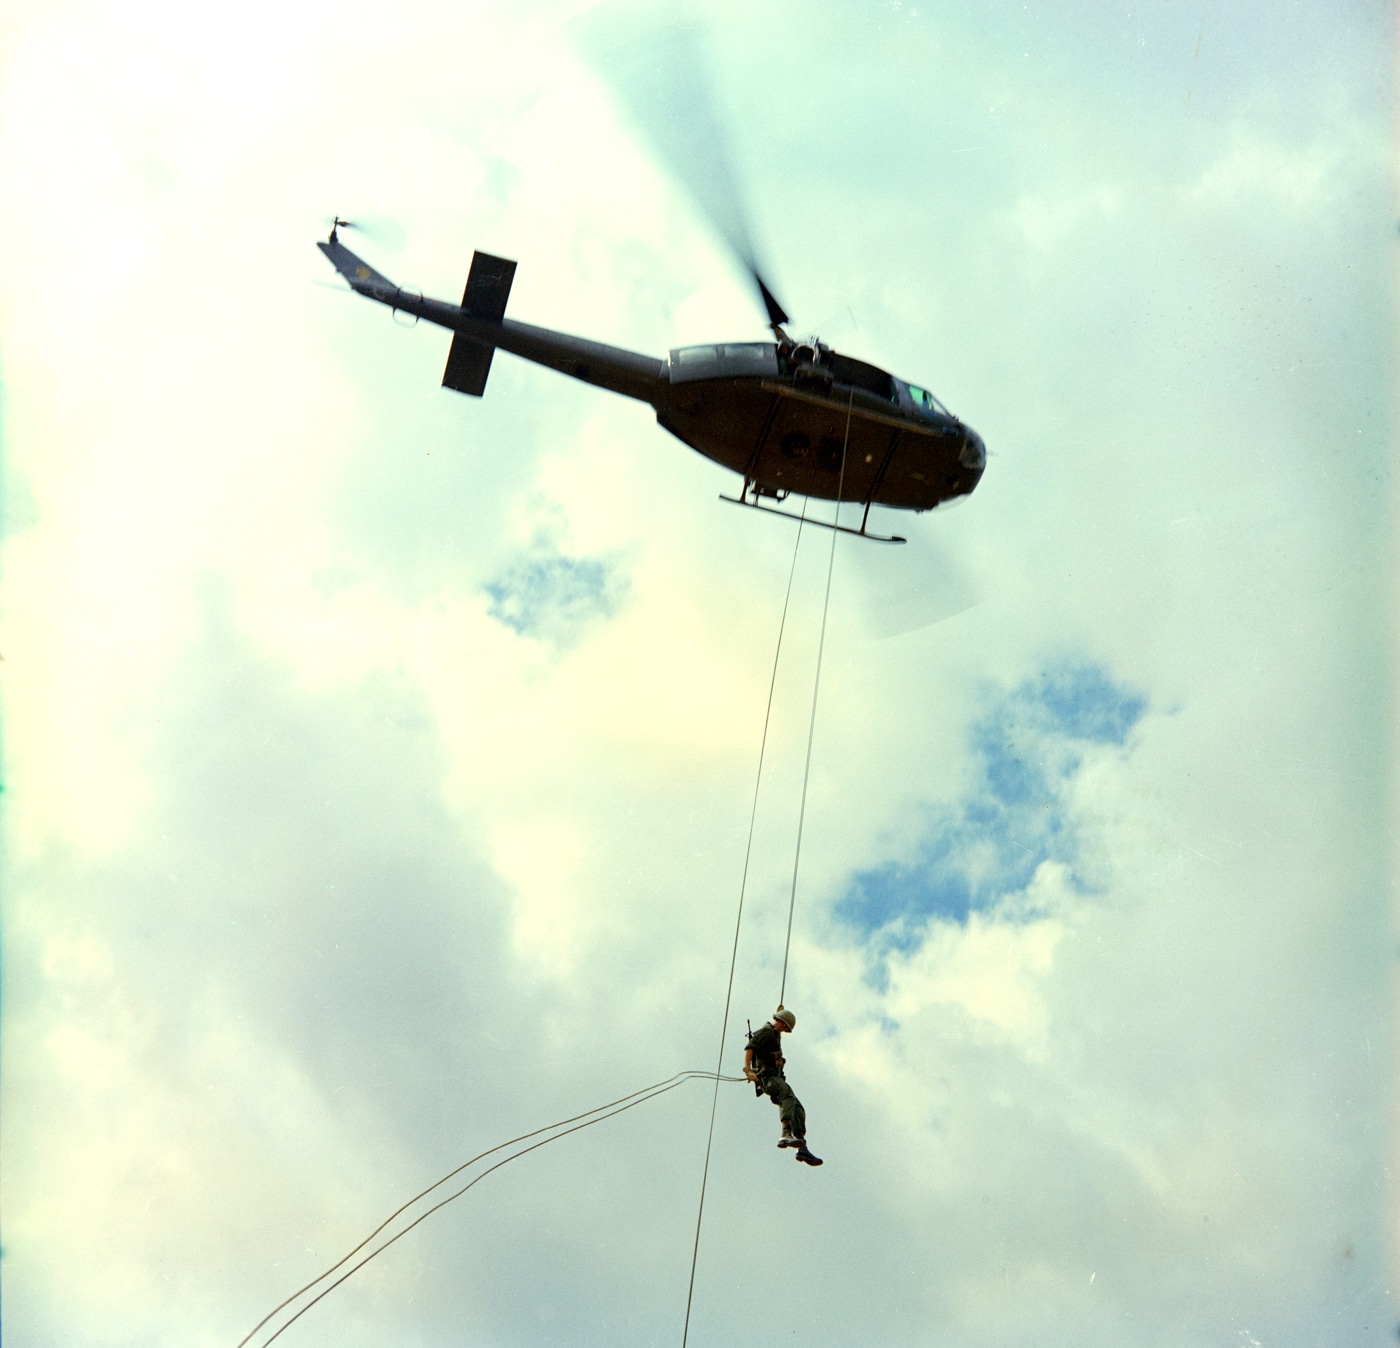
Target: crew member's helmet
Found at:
786, 1016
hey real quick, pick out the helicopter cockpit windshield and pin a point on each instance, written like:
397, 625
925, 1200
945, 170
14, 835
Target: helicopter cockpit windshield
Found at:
924, 401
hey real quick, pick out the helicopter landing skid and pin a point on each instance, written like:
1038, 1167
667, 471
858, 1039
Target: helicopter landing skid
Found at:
821, 524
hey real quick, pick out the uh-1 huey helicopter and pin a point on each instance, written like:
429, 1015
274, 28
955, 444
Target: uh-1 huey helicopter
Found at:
789, 416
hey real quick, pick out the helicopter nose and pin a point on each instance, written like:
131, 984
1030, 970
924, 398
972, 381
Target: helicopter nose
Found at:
973, 454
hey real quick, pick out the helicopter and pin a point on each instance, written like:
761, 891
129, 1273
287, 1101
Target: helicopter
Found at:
791, 417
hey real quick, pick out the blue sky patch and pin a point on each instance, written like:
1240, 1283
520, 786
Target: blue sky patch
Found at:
1028, 746
1084, 703
548, 595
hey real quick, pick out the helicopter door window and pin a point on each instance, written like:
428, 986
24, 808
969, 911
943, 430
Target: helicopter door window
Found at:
868, 378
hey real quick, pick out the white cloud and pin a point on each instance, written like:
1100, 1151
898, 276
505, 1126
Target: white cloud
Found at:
319, 878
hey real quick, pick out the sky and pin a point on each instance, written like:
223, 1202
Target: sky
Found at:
379, 762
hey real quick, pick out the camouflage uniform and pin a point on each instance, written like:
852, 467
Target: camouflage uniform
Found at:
767, 1065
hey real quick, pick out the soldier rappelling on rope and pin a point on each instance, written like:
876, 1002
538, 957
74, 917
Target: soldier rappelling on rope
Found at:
763, 1065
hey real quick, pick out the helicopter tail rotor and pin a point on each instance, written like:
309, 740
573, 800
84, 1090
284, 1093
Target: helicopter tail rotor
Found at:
380, 229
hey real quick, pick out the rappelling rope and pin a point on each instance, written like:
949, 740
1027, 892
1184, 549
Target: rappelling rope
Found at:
753, 815
556, 1131
734, 953
816, 685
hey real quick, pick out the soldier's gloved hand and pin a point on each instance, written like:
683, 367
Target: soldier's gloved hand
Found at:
750, 1075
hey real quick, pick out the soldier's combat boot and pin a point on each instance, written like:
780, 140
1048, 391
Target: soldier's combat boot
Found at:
804, 1155
787, 1139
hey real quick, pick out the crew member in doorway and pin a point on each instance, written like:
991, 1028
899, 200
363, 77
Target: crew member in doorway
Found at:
763, 1065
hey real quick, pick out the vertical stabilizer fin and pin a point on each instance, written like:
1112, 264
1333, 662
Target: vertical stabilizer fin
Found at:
488, 289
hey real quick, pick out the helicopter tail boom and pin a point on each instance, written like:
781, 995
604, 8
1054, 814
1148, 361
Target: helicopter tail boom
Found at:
479, 328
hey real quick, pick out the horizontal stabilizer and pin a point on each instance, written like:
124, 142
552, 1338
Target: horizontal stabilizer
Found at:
468, 364
488, 289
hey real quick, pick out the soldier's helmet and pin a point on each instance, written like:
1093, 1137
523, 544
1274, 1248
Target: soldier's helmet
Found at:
786, 1016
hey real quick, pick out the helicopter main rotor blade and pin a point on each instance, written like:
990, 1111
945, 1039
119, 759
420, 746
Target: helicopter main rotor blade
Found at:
925, 584
660, 77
